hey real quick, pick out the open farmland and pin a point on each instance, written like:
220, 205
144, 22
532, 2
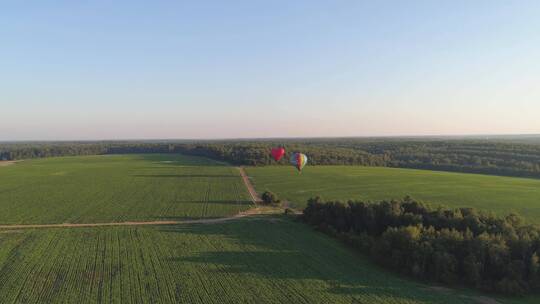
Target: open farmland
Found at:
113, 188
257, 260
501, 195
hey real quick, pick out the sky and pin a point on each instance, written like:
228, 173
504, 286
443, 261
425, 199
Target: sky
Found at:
83, 70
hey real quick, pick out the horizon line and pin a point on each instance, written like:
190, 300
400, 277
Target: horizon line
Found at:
278, 138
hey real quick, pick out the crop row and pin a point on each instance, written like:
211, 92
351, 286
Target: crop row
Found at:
250, 260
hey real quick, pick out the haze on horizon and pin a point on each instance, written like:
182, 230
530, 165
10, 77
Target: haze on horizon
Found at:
232, 69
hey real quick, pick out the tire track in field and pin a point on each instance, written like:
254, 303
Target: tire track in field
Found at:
206, 200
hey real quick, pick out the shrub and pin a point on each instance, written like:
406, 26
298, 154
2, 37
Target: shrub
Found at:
269, 198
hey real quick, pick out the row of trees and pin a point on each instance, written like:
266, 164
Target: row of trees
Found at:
242, 153
499, 158
497, 254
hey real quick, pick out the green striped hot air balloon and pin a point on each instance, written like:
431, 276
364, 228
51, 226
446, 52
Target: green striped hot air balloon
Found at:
299, 160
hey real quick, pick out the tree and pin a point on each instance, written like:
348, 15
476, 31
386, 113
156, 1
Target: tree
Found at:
473, 270
534, 269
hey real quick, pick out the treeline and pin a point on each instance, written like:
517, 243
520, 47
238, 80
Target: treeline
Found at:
473, 156
452, 246
239, 153
16, 151
39, 150
258, 154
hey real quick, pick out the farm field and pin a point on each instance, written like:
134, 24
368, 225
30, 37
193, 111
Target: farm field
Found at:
114, 188
501, 195
256, 260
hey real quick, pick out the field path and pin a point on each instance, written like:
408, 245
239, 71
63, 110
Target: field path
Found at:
254, 196
250, 212
253, 211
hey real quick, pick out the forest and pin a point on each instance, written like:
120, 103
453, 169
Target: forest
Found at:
497, 156
452, 246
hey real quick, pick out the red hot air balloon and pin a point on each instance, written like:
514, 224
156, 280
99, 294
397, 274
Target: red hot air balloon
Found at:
277, 153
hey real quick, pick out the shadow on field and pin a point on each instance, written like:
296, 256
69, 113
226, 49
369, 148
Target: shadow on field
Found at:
279, 249
217, 202
187, 175
177, 159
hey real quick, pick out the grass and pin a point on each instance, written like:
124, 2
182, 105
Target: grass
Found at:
251, 260
113, 188
501, 195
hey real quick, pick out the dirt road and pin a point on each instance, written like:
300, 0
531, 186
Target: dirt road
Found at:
250, 212
254, 196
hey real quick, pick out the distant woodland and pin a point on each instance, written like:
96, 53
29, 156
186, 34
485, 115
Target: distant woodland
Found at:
498, 157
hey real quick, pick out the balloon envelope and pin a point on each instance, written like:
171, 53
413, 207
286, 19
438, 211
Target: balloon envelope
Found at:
299, 160
277, 153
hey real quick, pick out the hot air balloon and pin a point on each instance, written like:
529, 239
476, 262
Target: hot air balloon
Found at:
277, 153
299, 160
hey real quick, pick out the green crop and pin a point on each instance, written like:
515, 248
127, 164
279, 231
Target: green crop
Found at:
258, 259
250, 260
501, 195
112, 188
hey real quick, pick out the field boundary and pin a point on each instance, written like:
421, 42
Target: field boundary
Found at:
250, 212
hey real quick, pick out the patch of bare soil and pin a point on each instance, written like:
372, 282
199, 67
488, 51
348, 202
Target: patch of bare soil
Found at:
5, 163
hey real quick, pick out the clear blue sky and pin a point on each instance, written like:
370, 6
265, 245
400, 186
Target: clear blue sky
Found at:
223, 69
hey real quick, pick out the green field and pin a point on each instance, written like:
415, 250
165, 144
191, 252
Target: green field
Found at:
254, 260
494, 193
258, 259
112, 188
